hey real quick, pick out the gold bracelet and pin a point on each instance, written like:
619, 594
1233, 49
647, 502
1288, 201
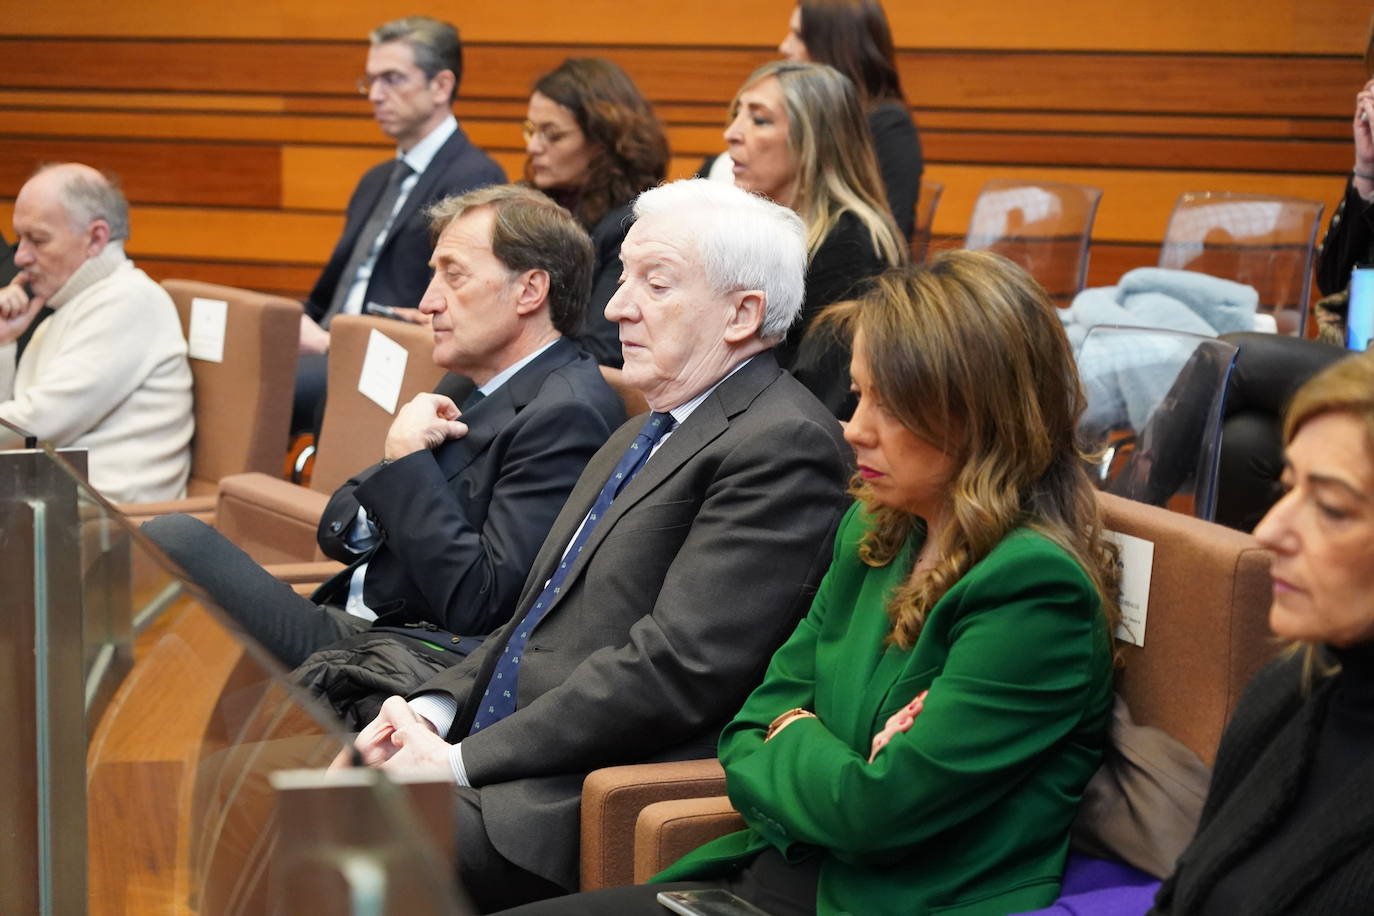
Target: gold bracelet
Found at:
780, 721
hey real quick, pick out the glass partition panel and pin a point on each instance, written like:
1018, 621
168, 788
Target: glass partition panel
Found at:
181, 721
1155, 405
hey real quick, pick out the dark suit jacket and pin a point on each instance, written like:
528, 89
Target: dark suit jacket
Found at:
841, 269
898, 148
701, 567
402, 273
601, 337
461, 525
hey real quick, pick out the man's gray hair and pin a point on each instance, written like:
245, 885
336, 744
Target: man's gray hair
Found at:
89, 197
742, 240
436, 45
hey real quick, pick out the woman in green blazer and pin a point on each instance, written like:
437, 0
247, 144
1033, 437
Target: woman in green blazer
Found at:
920, 743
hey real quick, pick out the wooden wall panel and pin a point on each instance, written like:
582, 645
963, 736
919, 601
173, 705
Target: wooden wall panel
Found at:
239, 136
1284, 26
212, 174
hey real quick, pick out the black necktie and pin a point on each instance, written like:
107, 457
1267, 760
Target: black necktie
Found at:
378, 221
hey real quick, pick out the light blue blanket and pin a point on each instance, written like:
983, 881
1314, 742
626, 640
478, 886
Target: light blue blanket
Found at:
1126, 375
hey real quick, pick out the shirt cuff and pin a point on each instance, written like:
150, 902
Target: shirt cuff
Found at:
455, 762
362, 534
438, 709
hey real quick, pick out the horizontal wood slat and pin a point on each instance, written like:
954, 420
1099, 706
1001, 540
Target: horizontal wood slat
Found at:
1002, 80
708, 115
1290, 26
238, 175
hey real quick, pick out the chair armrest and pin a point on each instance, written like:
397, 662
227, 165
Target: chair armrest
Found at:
612, 799
201, 507
312, 573
272, 520
668, 830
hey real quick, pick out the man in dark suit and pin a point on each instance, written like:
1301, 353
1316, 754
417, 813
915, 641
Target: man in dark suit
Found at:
442, 532
659, 594
413, 70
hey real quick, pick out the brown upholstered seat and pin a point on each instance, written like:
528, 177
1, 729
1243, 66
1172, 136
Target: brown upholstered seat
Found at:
274, 520
243, 403
1206, 636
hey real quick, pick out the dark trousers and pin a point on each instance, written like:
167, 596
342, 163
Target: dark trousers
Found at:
776, 886
489, 878
288, 625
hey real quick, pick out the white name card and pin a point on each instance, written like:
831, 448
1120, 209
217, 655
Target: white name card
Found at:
1137, 561
206, 340
384, 367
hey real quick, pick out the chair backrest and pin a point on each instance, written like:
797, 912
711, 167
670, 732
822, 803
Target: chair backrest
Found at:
1206, 632
354, 425
1265, 242
926, 205
632, 398
1043, 226
243, 403
1155, 404
1270, 368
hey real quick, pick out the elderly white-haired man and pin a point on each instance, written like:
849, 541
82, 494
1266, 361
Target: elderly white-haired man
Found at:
107, 370
687, 551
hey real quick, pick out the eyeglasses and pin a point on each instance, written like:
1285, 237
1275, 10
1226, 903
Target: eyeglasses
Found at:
391, 80
548, 133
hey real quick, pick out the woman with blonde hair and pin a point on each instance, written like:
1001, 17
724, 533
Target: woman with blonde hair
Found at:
798, 136
1288, 825
921, 742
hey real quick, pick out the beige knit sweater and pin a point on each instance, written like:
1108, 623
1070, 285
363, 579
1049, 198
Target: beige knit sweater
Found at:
107, 372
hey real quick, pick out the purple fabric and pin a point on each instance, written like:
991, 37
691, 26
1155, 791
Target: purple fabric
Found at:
1096, 887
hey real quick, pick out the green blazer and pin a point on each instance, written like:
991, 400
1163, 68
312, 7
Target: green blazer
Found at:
968, 812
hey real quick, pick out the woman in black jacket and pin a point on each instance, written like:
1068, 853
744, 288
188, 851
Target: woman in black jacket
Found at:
853, 37
797, 135
1288, 826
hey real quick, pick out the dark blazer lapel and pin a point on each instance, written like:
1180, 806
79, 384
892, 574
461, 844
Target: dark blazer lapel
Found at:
492, 414
710, 419
485, 420
424, 185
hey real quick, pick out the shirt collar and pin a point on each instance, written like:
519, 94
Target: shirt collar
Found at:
422, 153
500, 378
681, 412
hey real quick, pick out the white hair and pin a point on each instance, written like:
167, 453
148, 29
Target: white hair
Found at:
742, 240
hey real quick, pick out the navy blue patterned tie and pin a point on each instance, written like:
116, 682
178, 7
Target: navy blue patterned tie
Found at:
498, 701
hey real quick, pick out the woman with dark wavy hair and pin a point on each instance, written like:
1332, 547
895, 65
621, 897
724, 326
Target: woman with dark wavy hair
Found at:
920, 743
593, 144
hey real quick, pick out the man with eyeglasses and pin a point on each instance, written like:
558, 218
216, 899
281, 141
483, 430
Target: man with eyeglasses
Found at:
379, 266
